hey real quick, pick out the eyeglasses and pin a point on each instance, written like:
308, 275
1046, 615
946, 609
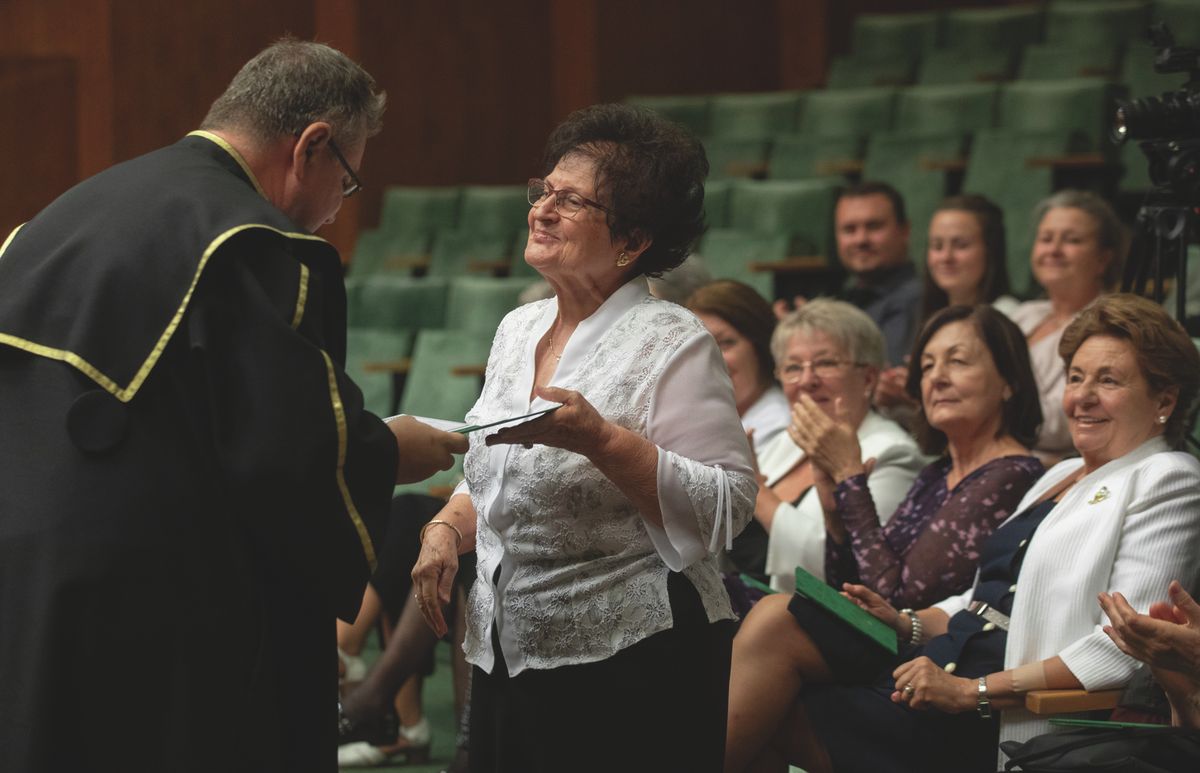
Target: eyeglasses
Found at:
355, 185
566, 203
793, 372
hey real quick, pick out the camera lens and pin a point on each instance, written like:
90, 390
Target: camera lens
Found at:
1174, 115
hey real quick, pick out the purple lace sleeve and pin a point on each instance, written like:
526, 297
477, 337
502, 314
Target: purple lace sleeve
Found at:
930, 547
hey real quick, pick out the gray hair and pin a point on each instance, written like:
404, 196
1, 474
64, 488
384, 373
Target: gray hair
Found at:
678, 284
1111, 233
855, 332
293, 83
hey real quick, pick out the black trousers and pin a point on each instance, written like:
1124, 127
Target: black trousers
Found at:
658, 705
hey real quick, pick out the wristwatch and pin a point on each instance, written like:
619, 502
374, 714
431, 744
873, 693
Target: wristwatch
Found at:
982, 704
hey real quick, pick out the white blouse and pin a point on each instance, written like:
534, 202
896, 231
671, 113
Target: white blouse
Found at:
797, 536
1054, 438
769, 416
582, 573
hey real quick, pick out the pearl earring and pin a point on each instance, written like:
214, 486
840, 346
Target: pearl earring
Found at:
1162, 419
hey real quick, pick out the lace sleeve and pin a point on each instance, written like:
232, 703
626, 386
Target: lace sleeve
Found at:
706, 486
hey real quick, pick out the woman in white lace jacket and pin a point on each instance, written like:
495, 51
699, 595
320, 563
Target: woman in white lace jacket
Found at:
598, 625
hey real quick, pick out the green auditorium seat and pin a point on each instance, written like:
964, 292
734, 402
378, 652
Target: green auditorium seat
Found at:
756, 115
728, 253
433, 390
730, 157
881, 34
1082, 107
803, 156
847, 112
998, 167
956, 65
517, 265
372, 358
1096, 23
477, 304
982, 29
801, 209
947, 108
1054, 61
493, 209
1182, 18
388, 302
915, 165
716, 203
456, 252
864, 70
688, 110
408, 209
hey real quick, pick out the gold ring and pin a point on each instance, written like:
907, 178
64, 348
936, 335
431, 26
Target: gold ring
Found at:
908, 689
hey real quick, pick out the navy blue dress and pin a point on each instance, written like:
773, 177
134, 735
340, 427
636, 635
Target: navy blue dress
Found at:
863, 730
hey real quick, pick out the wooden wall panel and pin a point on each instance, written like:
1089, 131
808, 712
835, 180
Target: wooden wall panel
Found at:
170, 61
40, 160
686, 47
469, 92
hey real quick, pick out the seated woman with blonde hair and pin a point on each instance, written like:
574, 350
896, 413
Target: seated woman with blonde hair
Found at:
1123, 515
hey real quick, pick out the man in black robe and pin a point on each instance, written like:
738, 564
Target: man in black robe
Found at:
188, 476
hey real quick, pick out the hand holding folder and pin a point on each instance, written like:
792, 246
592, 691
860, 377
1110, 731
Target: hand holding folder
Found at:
862, 621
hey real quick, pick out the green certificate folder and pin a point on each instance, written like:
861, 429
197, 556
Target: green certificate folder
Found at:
843, 608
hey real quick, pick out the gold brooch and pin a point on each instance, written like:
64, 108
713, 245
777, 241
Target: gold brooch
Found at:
1100, 496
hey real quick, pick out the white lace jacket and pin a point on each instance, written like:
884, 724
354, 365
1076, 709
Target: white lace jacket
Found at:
583, 574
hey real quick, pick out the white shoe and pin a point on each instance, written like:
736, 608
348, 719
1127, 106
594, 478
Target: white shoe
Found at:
356, 667
418, 734
359, 754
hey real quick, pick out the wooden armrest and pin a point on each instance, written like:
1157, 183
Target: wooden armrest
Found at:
388, 366
1067, 701
795, 265
487, 266
406, 261
944, 164
1075, 161
840, 166
745, 169
469, 370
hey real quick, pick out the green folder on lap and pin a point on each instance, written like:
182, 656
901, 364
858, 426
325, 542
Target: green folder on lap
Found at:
839, 606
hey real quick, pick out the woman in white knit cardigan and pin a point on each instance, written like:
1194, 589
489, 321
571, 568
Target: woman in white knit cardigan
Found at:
1125, 515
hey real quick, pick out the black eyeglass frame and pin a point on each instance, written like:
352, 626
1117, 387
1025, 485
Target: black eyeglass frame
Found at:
356, 184
549, 191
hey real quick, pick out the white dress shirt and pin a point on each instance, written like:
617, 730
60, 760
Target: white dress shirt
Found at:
582, 573
769, 416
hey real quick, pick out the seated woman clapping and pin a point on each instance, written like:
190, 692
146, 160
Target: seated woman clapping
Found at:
979, 414
829, 353
1122, 516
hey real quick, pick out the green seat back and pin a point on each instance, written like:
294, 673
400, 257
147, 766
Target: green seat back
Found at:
1104, 24
958, 65
802, 156
688, 110
716, 203
368, 345
947, 109
997, 169
799, 209
880, 34
1054, 61
753, 115
493, 209
730, 157
981, 29
477, 304
406, 209
848, 112
517, 266
857, 71
1082, 107
728, 253
390, 302
454, 250
906, 161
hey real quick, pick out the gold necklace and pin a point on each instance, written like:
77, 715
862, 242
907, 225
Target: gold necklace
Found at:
557, 357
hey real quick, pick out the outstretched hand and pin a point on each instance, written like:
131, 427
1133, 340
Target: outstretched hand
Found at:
575, 426
423, 449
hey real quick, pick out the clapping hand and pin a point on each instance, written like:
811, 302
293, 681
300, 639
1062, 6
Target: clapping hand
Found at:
1166, 638
831, 443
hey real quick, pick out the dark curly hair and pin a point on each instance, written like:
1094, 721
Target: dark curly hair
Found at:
1022, 413
649, 171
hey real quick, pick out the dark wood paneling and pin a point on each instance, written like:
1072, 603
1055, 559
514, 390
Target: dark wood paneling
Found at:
38, 137
171, 60
686, 47
469, 91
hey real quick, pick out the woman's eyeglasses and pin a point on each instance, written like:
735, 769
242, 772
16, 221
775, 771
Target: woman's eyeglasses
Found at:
566, 203
823, 368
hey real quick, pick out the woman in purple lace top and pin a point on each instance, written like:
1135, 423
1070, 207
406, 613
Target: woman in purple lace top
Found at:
980, 413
